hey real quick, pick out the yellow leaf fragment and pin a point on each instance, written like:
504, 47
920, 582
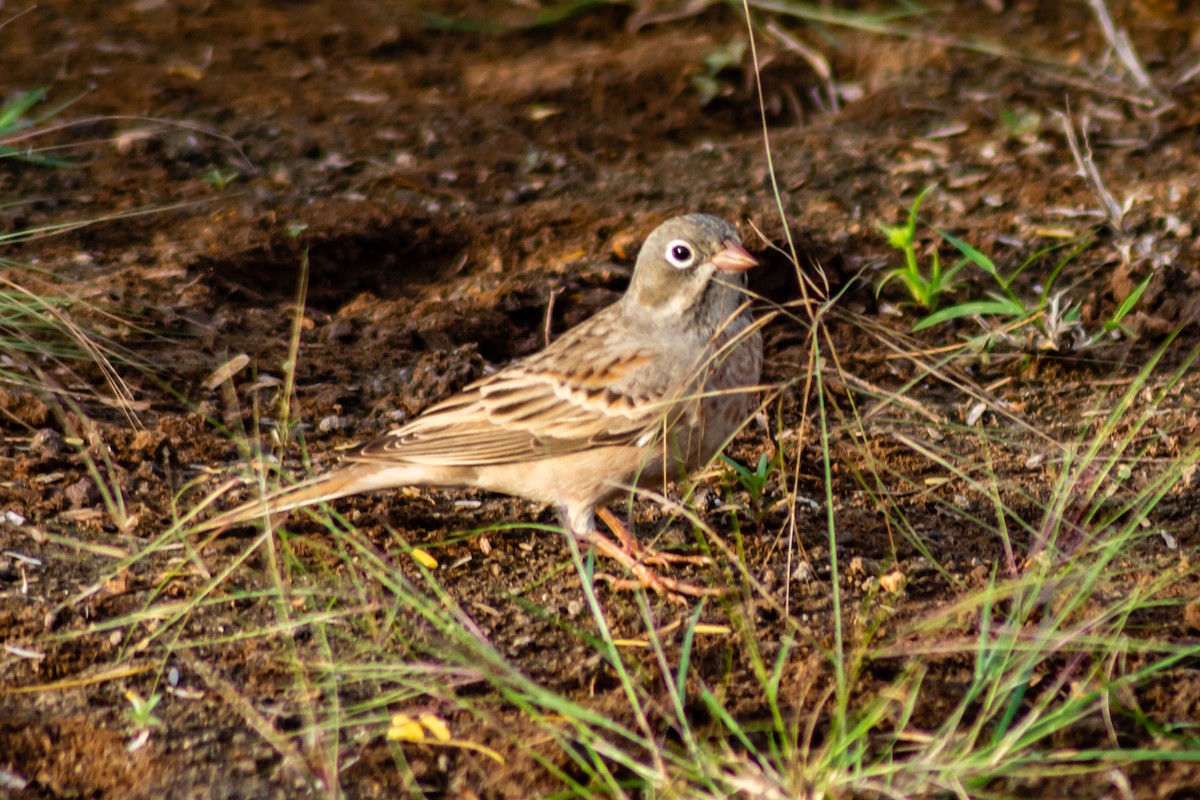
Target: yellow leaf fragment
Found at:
1055, 233
436, 726
405, 729
424, 559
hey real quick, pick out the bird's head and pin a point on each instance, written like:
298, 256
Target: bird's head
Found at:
683, 258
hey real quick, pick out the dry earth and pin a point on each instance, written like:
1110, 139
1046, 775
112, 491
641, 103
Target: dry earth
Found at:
448, 191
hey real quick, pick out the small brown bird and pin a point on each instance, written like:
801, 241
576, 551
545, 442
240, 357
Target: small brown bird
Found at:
646, 390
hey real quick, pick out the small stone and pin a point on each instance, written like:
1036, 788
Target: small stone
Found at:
82, 493
47, 442
330, 424
803, 572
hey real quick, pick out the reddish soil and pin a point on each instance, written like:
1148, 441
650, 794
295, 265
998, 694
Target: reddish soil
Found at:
449, 190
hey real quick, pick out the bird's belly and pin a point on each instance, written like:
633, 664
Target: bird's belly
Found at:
572, 480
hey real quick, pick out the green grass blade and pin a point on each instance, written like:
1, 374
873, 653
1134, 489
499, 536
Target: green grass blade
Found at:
982, 308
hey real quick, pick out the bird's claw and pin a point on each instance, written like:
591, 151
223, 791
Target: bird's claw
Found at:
675, 591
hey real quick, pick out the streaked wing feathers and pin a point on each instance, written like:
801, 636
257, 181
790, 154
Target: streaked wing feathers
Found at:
527, 412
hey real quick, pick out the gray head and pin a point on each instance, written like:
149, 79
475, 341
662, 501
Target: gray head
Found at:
677, 263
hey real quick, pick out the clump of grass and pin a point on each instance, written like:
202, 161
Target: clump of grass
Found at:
46, 322
1048, 322
42, 324
17, 124
1041, 625
708, 83
37, 323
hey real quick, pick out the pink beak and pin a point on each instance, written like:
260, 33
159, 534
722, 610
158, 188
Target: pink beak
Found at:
732, 257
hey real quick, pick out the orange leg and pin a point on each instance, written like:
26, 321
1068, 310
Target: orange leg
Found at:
631, 556
647, 555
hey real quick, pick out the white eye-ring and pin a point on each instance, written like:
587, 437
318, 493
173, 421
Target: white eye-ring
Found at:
680, 254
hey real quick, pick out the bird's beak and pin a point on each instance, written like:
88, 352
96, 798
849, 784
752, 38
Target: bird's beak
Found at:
732, 257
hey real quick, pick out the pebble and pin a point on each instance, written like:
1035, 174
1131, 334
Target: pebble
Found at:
82, 493
331, 423
47, 442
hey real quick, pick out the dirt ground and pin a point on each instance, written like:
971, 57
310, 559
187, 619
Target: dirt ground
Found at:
450, 188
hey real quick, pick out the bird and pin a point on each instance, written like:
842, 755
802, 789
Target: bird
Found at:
644, 391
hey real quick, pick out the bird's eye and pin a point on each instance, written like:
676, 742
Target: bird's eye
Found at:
680, 254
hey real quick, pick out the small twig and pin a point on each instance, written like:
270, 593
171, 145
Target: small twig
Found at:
554, 293
1188, 74
1102, 85
1119, 41
1090, 174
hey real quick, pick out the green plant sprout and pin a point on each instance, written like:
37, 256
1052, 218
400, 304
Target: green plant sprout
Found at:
755, 483
219, 178
924, 288
141, 710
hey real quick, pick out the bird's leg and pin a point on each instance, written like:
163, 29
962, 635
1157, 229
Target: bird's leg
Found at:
644, 574
647, 555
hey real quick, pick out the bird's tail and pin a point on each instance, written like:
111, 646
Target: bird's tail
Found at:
340, 482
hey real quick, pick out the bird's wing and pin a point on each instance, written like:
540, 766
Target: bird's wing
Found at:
605, 382
539, 407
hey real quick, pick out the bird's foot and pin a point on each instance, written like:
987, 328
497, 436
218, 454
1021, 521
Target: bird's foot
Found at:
676, 591
647, 555
640, 563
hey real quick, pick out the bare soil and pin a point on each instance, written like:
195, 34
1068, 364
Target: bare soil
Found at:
455, 195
